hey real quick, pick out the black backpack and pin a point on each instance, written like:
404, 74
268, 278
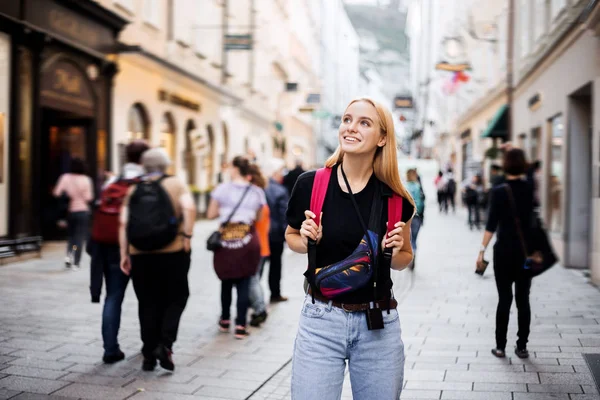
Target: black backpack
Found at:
152, 224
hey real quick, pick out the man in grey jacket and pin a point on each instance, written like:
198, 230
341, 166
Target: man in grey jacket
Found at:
277, 199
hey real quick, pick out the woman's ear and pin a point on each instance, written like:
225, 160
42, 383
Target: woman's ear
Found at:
382, 141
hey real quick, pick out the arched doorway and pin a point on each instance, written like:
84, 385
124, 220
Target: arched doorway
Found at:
167, 139
138, 123
190, 158
210, 159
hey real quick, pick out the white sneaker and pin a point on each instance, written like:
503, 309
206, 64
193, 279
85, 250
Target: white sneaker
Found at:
76, 267
67, 262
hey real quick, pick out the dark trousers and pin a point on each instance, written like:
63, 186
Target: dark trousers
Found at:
276, 248
106, 258
450, 202
474, 215
442, 201
161, 285
243, 299
77, 230
506, 273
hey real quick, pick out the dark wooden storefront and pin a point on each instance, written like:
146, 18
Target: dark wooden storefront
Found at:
60, 103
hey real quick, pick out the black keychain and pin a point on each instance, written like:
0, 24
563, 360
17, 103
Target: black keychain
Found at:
374, 313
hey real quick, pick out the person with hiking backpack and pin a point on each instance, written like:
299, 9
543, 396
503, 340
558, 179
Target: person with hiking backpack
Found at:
157, 223
105, 254
353, 220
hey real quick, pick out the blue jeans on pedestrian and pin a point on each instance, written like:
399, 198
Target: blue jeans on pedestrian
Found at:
257, 295
116, 284
328, 337
77, 231
415, 227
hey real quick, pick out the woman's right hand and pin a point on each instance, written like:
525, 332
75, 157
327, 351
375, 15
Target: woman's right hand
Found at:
310, 229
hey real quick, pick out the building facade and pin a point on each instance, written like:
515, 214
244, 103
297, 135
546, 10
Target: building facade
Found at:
55, 104
556, 74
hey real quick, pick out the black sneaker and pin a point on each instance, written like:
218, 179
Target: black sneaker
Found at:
522, 353
258, 319
165, 357
500, 353
113, 358
149, 364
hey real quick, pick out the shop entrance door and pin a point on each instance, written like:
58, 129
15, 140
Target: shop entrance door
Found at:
579, 180
64, 136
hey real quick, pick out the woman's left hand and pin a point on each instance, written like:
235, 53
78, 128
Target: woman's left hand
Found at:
394, 239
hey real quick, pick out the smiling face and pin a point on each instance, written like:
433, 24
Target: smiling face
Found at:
360, 131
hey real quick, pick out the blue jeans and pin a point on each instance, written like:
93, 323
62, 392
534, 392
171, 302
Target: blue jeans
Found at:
415, 227
257, 295
77, 230
328, 337
116, 284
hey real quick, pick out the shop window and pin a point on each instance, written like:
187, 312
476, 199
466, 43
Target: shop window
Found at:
167, 139
536, 153
138, 124
556, 185
524, 26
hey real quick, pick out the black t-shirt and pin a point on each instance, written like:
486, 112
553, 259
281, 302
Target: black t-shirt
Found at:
501, 218
342, 231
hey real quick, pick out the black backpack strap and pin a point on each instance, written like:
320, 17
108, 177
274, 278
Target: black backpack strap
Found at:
386, 256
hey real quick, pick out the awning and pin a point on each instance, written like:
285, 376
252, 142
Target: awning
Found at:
498, 126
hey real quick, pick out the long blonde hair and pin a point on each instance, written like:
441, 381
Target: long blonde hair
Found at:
385, 163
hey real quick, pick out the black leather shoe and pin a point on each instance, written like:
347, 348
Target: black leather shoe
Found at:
500, 353
113, 358
522, 353
258, 319
149, 364
165, 357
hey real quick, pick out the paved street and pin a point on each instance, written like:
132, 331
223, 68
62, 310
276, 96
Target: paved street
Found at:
51, 347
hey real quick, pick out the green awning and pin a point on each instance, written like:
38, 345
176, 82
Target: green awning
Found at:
498, 126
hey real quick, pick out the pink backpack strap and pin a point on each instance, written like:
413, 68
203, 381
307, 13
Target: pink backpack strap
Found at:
319, 191
394, 211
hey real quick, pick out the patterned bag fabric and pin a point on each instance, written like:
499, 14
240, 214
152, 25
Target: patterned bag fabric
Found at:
239, 253
356, 270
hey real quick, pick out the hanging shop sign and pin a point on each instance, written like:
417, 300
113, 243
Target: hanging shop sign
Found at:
177, 100
402, 102
238, 42
65, 86
535, 102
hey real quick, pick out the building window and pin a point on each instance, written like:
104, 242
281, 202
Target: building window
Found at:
556, 174
152, 12
138, 125
524, 27
557, 6
541, 18
536, 153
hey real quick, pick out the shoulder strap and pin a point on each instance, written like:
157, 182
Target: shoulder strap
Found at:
394, 211
513, 206
237, 205
319, 190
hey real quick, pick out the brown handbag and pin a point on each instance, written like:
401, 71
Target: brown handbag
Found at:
239, 254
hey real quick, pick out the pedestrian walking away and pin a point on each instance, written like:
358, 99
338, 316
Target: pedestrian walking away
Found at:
277, 198
238, 206
256, 293
509, 261
473, 192
105, 254
76, 189
290, 179
157, 223
440, 185
450, 190
416, 191
353, 219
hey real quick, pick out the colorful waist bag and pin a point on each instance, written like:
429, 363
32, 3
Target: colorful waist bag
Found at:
356, 270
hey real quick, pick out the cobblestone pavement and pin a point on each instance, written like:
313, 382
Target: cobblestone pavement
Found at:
51, 347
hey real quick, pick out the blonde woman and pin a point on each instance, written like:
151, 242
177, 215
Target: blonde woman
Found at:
333, 331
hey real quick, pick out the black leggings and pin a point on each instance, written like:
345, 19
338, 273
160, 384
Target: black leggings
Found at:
505, 271
243, 300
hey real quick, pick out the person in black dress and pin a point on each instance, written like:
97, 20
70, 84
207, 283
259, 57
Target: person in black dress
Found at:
509, 260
